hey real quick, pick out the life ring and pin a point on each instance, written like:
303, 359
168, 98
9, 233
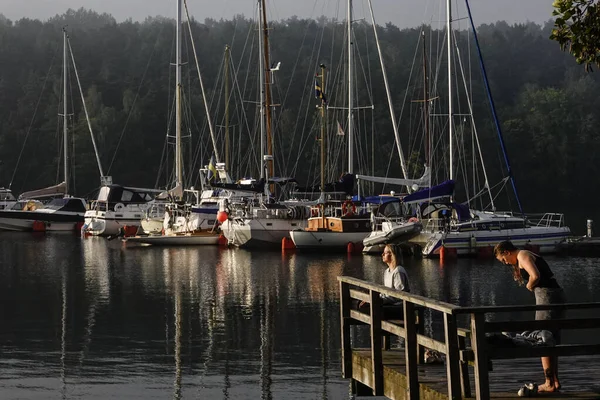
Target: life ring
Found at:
348, 208
413, 219
119, 207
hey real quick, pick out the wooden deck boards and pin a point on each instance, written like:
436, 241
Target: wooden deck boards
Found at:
580, 376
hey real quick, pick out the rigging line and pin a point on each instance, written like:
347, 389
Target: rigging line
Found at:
241, 90
208, 119
306, 97
87, 117
165, 155
33, 118
493, 106
288, 90
137, 95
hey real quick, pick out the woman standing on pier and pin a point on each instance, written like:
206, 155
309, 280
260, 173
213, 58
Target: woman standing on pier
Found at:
533, 271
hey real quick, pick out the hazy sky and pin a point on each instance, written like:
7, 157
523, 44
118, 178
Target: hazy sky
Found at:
400, 12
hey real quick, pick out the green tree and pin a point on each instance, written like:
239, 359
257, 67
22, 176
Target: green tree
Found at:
577, 28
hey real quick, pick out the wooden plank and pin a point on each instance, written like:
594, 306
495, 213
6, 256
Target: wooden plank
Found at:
482, 384
465, 382
359, 316
415, 299
513, 309
376, 344
345, 304
551, 325
410, 350
544, 351
452, 356
360, 295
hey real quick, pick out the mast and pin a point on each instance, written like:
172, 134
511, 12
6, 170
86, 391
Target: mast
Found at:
267, 106
261, 77
350, 93
65, 129
323, 130
426, 103
450, 119
227, 107
178, 161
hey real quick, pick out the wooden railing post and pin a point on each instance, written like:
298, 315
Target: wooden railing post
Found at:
464, 369
452, 356
345, 304
479, 345
420, 330
410, 349
376, 344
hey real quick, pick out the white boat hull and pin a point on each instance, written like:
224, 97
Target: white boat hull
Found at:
391, 232
176, 240
15, 220
259, 232
326, 239
105, 223
545, 240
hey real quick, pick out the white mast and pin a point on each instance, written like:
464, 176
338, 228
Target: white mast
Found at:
178, 161
261, 69
65, 138
350, 94
450, 119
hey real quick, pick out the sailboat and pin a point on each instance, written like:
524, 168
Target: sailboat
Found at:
262, 221
448, 224
179, 228
65, 213
336, 223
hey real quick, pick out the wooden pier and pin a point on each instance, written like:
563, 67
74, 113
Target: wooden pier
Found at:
580, 246
472, 368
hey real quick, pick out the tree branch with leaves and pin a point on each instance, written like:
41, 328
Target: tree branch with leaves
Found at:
577, 29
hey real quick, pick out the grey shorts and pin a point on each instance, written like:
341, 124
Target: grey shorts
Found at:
549, 296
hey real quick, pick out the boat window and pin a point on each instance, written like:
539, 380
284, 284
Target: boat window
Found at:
126, 195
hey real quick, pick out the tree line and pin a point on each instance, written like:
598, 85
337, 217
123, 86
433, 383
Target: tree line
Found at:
548, 106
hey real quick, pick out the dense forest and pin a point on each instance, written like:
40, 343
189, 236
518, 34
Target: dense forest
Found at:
548, 106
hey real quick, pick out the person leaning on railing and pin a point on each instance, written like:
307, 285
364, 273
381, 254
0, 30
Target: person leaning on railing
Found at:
394, 277
532, 270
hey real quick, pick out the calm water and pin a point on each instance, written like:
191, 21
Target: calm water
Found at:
91, 319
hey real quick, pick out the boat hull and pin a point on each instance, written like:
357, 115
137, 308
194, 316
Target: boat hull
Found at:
105, 223
193, 239
336, 241
393, 233
543, 239
259, 233
16, 220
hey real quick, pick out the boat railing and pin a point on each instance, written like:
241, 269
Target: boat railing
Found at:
547, 220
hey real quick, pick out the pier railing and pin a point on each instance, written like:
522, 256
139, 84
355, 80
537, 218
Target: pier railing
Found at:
462, 346
355, 289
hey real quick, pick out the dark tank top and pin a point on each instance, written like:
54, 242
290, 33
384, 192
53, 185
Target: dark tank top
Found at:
546, 276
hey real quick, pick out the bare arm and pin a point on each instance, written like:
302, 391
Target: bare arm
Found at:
526, 261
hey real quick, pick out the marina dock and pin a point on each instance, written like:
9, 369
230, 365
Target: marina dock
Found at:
473, 367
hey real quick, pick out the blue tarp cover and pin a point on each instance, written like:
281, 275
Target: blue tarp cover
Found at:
443, 189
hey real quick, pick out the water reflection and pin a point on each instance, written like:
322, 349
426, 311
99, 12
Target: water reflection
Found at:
92, 319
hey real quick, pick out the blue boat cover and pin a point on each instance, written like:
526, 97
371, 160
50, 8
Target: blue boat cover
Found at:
442, 190
376, 199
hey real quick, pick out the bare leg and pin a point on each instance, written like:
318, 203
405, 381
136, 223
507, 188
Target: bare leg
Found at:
551, 379
555, 365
